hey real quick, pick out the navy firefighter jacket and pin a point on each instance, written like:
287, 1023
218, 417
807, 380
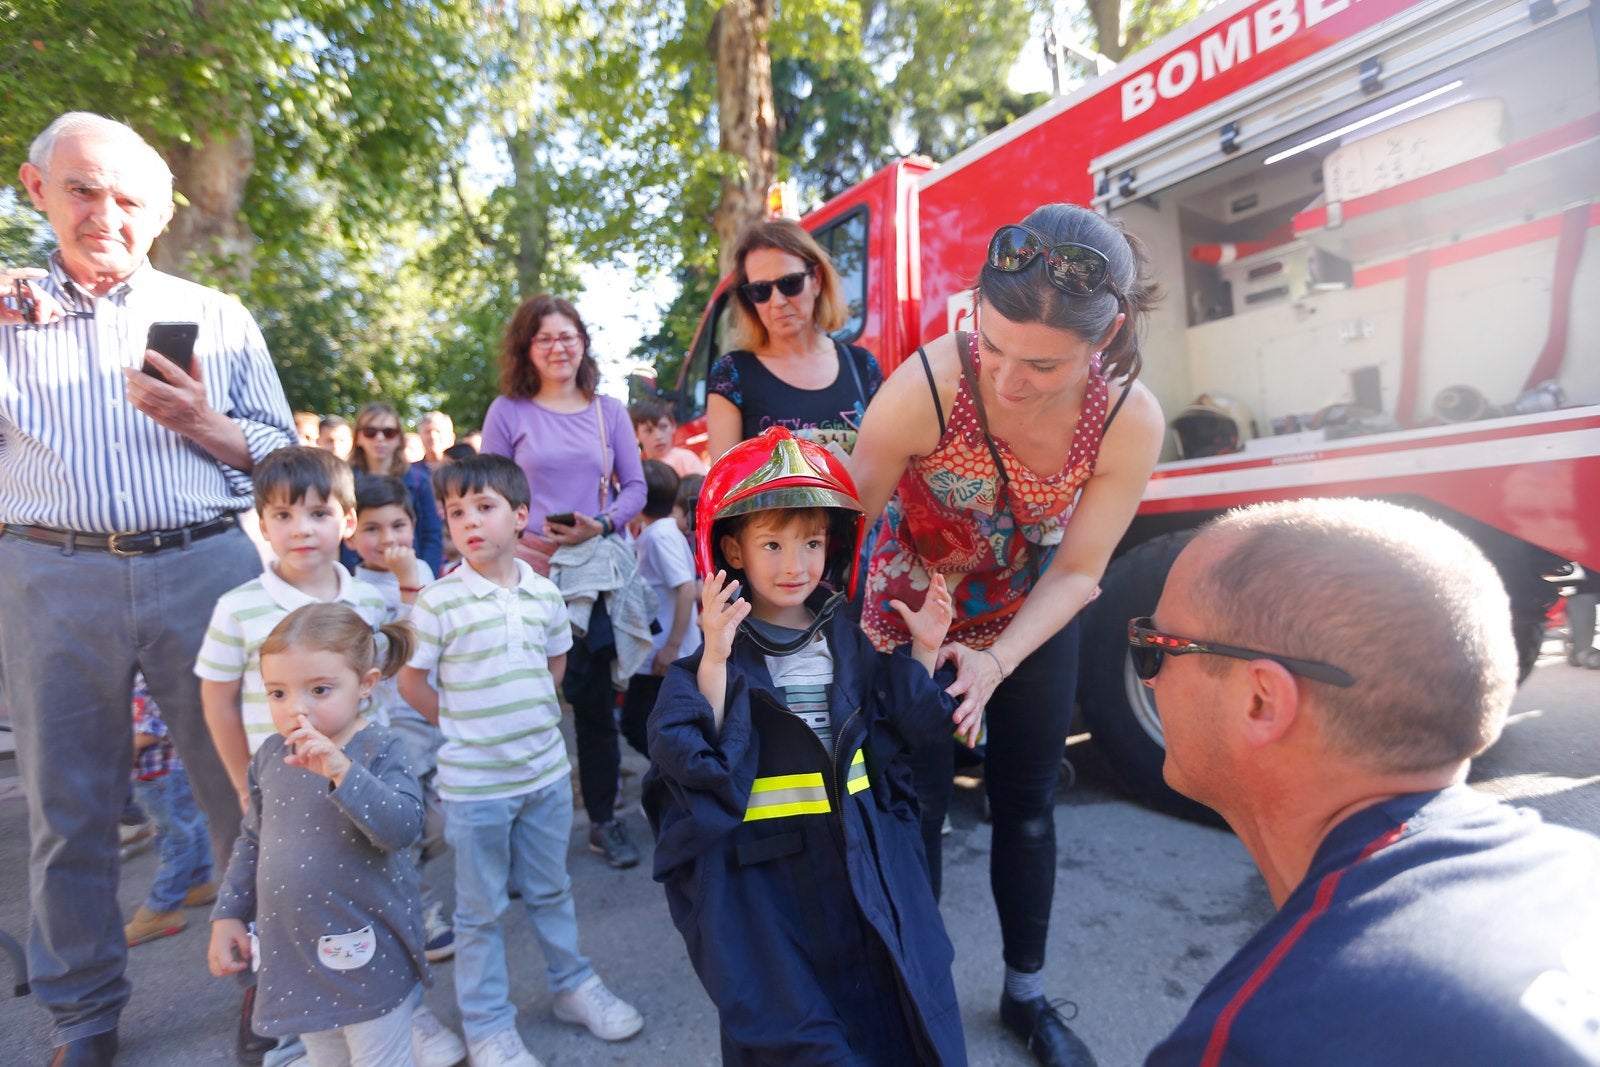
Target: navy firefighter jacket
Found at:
797, 879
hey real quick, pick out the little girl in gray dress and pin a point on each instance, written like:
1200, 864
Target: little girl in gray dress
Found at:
321, 864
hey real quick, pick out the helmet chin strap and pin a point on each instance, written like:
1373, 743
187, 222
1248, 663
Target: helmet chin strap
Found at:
823, 613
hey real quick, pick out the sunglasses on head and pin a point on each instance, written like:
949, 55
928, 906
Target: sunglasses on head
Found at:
1071, 267
1149, 647
789, 285
388, 433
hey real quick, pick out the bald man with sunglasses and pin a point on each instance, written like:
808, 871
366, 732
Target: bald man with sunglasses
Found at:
1419, 921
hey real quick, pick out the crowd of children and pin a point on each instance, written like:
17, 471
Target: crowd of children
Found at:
368, 718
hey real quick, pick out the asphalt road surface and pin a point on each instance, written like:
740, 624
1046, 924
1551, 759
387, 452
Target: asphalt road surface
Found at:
1147, 907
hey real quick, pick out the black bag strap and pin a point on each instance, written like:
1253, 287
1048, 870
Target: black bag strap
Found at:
1126, 389
847, 356
938, 408
970, 373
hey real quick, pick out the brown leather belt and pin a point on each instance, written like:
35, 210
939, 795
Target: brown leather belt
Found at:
122, 544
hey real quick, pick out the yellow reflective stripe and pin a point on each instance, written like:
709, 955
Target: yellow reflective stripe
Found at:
778, 811
856, 780
787, 794
787, 781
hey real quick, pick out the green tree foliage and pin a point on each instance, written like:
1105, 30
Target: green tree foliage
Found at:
324, 123
381, 183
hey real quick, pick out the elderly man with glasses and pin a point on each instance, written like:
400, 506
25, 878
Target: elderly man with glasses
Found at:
1419, 921
119, 502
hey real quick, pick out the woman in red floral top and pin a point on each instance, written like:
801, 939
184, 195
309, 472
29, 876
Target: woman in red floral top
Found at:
1017, 455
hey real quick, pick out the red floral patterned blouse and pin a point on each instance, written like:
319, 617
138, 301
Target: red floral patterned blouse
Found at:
945, 517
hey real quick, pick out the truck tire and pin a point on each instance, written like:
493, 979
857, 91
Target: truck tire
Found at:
1118, 708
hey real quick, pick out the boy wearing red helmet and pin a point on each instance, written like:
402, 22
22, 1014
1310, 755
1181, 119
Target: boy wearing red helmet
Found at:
780, 794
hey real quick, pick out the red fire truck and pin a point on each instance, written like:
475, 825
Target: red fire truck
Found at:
1375, 224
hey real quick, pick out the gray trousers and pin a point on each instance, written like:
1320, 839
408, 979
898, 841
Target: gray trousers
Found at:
74, 625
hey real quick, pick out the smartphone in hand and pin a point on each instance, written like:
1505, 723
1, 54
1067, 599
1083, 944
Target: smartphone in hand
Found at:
563, 518
175, 340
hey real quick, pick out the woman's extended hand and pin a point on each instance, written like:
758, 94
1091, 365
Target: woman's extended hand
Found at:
582, 529
977, 676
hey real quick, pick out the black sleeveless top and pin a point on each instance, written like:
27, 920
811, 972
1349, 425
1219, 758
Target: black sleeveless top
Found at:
830, 415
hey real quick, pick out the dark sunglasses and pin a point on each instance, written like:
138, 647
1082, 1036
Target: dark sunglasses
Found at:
1071, 267
388, 433
1148, 647
789, 285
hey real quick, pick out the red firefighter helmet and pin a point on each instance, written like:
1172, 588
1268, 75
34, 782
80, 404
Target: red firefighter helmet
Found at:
779, 470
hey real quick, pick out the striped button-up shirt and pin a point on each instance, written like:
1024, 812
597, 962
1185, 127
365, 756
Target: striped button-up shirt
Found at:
76, 455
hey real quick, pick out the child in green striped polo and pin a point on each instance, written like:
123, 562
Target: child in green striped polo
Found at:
306, 498
498, 634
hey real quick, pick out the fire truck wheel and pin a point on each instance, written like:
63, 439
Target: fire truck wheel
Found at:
1119, 709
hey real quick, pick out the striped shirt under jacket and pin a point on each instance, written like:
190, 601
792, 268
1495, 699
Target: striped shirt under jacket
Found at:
76, 455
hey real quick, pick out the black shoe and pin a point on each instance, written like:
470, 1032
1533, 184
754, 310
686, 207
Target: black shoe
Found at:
96, 1050
1045, 1031
250, 1047
610, 839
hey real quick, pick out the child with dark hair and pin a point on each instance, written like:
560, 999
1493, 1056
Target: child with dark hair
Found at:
688, 499
655, 428
667, 564
335, 435
384, 541
498, 635
306, 499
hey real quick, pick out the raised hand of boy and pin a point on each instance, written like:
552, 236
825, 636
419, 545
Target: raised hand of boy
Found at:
928, 626
929, 623
401, 560
229, 951
316, 752
720, 616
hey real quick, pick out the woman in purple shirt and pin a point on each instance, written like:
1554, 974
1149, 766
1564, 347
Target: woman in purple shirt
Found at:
582, 462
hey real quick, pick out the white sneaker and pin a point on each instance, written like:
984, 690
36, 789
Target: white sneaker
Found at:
595, 1006
504, 1048
432, 1043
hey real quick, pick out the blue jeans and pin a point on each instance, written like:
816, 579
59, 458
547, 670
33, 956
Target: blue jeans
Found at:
522, 840
76, 625
184, 843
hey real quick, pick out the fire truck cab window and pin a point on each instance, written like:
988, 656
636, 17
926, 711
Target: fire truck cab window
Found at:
845, 241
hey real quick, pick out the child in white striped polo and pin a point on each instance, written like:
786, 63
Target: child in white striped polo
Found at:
498, 634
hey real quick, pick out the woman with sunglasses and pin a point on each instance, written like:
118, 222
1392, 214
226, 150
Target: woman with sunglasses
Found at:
787, 370
380, 449
582, 461
1016, 455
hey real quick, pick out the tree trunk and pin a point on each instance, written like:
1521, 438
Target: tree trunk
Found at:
745, 116
529, 217
207, 239
1107, 16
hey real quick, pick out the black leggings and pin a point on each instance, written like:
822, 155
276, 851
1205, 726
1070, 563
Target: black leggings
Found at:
1027, 717
587, 687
